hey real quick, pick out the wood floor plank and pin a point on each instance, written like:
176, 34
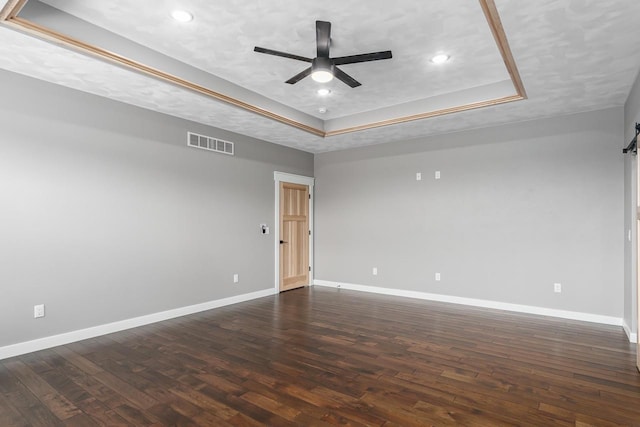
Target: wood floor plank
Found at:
101, 413
324, 357
126, 390
9, 414
107, 396
81, 420
204, 402
56, 402
135, 416
33, 411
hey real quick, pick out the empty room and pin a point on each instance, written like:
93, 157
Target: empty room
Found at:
286, 213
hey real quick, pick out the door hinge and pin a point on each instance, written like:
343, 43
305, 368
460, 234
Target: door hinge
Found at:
309, 196
309, 232
309, 268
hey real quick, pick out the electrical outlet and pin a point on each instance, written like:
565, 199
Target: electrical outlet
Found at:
375, 271
437, 277
418, 176
437, 175
557, 287
236, 279
38, 311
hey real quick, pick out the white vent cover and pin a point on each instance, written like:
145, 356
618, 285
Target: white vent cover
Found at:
209, 143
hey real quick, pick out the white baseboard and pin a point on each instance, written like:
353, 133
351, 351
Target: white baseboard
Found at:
573, 315
95, 331
627, 330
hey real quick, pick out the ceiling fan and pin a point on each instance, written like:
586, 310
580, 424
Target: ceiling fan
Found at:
323, 68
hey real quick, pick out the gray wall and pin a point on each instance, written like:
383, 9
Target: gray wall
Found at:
518, 208
631, 116
106, 215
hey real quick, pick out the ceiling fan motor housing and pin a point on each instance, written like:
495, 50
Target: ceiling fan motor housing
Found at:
321, 63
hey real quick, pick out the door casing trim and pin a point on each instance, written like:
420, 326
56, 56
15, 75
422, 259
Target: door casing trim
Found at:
279, 177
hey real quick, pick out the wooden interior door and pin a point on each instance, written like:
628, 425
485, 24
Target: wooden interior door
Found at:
294, 236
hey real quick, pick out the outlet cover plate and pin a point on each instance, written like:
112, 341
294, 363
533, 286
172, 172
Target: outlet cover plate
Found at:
38, 311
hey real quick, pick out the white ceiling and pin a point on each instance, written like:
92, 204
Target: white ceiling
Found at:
573, 55
222, 37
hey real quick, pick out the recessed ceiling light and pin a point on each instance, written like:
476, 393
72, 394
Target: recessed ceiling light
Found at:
322, 110
324, 92
181, 15
440, 58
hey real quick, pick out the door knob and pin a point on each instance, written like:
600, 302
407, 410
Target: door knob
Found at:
282, 241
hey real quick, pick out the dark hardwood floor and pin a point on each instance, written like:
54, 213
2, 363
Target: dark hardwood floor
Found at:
332, 357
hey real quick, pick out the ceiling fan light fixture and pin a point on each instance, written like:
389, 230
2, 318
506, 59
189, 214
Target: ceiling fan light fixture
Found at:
440, 58
322, 70
322, 76
181, 15
323, 67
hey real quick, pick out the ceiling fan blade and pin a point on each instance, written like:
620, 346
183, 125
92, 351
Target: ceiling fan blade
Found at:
345, 78
364, 57
323, 38
282, 54
295, 79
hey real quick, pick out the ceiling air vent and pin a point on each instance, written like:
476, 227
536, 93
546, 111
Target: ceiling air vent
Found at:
209, 143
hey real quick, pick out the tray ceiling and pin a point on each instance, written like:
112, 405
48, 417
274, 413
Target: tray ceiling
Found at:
572, 56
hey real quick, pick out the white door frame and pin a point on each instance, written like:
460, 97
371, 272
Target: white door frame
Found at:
295, 179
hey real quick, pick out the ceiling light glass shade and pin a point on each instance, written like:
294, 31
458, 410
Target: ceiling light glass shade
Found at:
324, 92
322, 70
440, 58
322, 76
181, 15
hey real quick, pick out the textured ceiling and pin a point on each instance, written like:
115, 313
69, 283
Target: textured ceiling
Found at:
573, 55
221, 38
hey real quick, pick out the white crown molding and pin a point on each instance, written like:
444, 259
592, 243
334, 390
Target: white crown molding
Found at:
95, 331
542, 311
